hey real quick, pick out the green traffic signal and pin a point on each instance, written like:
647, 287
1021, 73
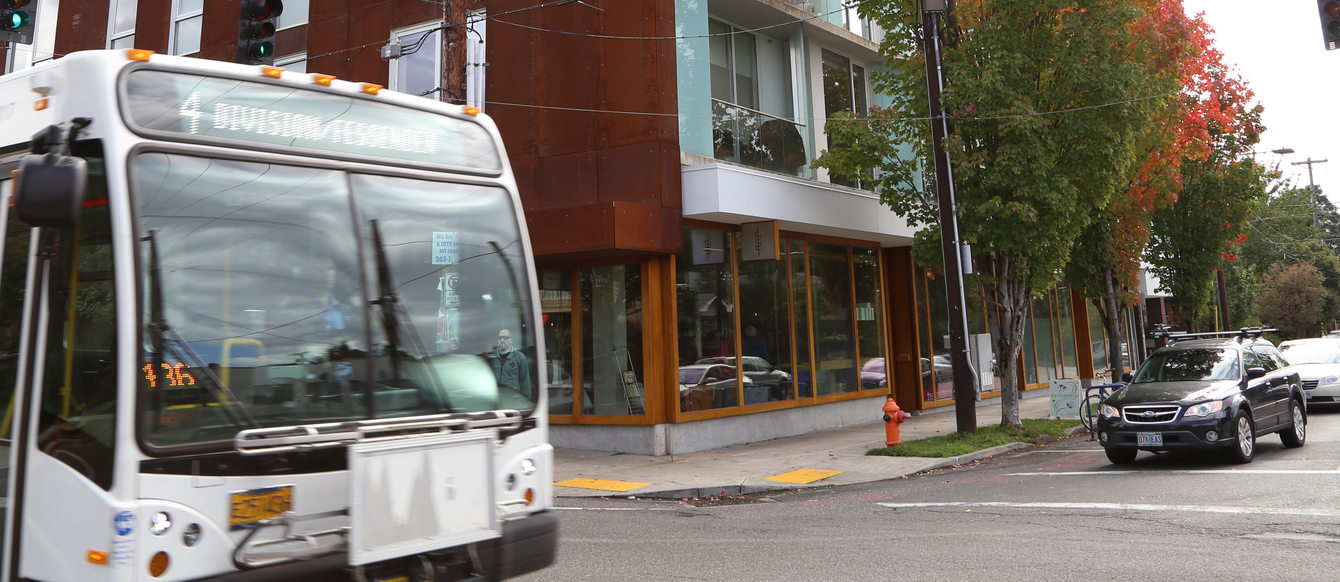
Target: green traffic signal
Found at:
17, 20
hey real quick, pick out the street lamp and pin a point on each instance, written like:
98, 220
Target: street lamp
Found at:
1280, 151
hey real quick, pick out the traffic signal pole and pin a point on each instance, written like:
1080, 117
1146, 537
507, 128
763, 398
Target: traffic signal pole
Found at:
965, 393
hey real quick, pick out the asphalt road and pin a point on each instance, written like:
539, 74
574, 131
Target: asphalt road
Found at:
1058, 512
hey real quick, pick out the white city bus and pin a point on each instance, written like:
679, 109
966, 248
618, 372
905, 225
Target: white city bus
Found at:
249, 330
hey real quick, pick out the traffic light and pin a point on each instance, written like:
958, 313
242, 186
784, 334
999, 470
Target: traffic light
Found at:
256, 31
1330, 23
16, 21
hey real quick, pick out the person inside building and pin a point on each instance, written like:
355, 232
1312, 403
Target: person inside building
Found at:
510, 365
753, 344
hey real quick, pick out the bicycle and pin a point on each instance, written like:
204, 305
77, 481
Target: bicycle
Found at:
1094, 397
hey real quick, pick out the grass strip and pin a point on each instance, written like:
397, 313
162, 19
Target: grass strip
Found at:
952, 445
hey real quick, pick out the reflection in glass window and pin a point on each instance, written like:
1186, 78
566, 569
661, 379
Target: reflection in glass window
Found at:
1065, 324
1044, 338
705, 292
187, 18
121, 24
611, 311
800, 305
262, 293
556, 303
844, 90
834, 335
734, 65
78, 398
294, 14
418, 70
765, 321
869, 310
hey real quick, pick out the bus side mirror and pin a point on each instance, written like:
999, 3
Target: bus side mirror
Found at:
50, 189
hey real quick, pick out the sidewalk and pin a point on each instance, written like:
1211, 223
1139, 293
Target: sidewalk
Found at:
819, 459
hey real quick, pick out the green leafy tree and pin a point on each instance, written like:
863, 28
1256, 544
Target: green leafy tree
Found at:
1046, 103
1288, 229
1221, 185
1106, 262
1292, 299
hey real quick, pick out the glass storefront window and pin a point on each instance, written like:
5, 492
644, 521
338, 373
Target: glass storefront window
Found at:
611, 311
556, 301
1065, 324
938, 364
1097, 341
705, 297
831, 300
1043, 335
1029, 353
765, 320
869, 315
800, 307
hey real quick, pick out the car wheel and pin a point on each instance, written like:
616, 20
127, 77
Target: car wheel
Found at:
1294, 436
1244, 440
1121, 455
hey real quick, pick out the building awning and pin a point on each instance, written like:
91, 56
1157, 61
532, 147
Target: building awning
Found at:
733, 194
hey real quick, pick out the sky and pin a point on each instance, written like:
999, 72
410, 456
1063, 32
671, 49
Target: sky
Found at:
1276, 47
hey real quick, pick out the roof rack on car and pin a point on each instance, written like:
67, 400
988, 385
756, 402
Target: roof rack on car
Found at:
1241, 334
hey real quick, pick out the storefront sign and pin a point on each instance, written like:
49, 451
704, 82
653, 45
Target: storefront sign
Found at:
709, 246
759, 241
1066, 397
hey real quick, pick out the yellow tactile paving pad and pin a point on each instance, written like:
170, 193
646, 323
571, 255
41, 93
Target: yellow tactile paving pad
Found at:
803, 476
601, 484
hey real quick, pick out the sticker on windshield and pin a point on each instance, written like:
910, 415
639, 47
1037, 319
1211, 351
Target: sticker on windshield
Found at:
444, 248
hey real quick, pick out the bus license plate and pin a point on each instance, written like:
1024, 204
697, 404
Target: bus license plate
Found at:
255, 505
1149, 439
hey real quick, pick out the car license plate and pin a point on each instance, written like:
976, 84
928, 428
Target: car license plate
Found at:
1149, 439
255, 505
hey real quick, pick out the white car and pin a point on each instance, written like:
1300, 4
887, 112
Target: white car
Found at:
1318, 363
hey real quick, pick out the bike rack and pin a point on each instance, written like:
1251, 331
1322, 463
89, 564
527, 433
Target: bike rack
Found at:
1100, 392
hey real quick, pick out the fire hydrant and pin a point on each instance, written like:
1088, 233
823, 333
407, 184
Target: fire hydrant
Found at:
893, 416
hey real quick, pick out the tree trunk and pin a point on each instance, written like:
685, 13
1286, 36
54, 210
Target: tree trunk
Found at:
1011, 290
1112, 323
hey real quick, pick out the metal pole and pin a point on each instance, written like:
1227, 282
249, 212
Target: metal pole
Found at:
965, 393
1311, 186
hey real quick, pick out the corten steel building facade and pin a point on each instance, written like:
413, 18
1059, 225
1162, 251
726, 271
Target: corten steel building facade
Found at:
701, 284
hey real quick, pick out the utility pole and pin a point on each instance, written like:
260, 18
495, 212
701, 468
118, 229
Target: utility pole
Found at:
1312, 186
965, 394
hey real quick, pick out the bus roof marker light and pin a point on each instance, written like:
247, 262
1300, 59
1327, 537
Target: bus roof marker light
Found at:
372, 88
96, 557
141, 55
272, 72
323, 80
471, 110
40, 104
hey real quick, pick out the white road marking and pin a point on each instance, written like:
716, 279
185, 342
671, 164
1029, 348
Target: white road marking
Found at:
1186, 472
1322, 512
618, 508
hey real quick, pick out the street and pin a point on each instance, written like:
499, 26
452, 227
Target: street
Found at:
1058, 512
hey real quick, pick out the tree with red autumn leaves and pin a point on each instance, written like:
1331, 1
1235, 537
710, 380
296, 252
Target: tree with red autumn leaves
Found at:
1105, 263
1221, 185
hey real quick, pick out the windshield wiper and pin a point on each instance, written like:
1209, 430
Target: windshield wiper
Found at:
389, 304
164, 339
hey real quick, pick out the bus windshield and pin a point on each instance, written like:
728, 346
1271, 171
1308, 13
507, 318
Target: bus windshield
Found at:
278, 295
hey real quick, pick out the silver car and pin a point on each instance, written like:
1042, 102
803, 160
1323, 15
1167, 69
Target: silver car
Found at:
1318, 363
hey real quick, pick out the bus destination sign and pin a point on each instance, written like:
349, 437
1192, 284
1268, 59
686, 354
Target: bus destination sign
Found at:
193, 107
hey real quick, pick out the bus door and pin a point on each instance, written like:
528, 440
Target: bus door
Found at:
62, 428
14, 253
